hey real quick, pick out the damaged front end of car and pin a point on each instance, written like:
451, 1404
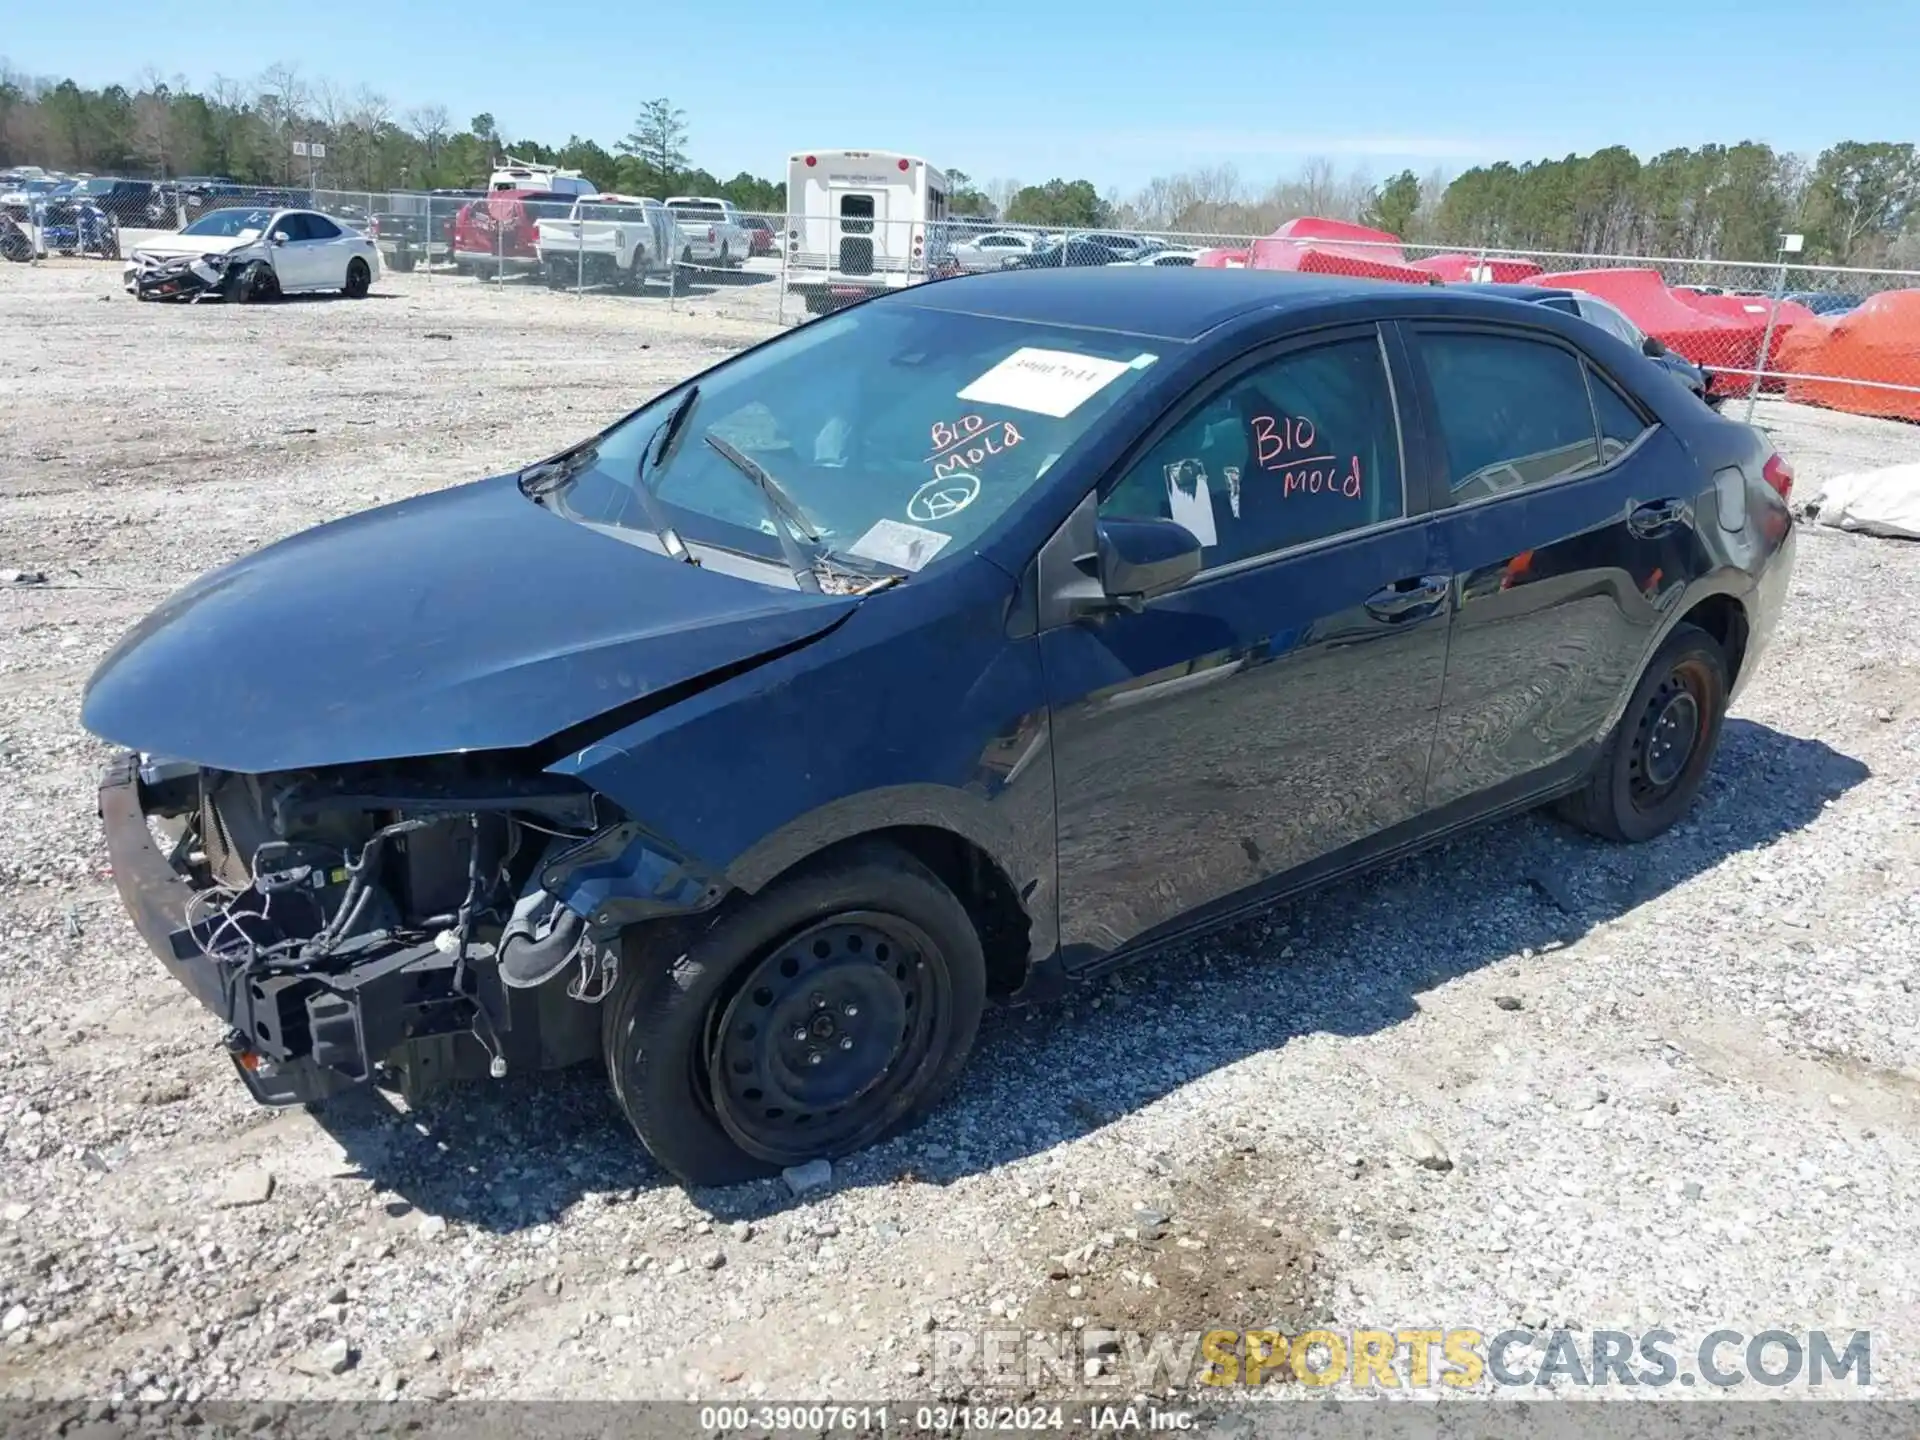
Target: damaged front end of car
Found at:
397, 919
191, 278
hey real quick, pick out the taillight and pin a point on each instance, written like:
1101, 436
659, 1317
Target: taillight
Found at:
1779, 474
710, 234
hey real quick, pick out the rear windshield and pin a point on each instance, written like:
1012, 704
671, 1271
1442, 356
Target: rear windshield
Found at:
903, 433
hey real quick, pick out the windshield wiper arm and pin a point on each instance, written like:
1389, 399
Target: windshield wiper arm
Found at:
658, 445
670, 431
776, 493
783, 510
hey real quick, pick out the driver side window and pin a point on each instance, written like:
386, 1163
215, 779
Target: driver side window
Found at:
1302, 448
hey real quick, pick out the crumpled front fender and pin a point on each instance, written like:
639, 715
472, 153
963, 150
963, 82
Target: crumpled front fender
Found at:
626, 874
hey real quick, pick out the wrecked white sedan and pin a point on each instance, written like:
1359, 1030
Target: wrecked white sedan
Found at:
252, 255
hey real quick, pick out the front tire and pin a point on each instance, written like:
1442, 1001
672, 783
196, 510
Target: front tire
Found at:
832, 1008
257, 285
1659, 754
359, 279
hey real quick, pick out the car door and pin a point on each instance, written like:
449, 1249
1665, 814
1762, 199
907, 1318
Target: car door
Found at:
1566, 521
293, 257
331, 247
1280, 706
283, 237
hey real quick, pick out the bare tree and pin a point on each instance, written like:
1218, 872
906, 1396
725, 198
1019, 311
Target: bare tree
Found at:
234, 123
1001, 193
282, 99
327, 116
152, 137
1426, 219
370, 116
430, 124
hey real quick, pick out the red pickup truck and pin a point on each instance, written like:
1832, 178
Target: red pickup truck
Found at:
501, 232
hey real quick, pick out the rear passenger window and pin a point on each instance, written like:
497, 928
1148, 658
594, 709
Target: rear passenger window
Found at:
1620, 423
1513, 412
1300, 449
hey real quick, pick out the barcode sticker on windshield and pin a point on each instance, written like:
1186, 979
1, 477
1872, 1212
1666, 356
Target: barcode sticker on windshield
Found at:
1047, 382
893, 543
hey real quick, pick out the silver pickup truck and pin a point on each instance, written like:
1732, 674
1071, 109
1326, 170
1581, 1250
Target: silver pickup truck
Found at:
710, 233
619, 240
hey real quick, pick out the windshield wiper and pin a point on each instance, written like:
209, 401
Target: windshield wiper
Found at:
776, 493
658, 446
546, 476
670, 431
784, 511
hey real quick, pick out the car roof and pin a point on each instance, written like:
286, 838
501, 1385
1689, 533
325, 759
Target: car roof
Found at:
1532, 293
1173, 302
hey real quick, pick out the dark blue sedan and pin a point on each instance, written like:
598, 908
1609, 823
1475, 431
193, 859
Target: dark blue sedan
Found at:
965, 643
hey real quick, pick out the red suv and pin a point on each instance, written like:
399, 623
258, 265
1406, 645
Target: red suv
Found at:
501, 231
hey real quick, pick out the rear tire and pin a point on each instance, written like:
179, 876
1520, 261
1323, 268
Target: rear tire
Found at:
359, 279
1658, 756
864, 955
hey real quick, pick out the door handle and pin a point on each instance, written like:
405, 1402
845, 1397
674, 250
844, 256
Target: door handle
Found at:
1656, 517
1408, 597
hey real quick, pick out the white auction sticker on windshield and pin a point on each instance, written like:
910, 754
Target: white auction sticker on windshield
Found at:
1047, 382
893, 542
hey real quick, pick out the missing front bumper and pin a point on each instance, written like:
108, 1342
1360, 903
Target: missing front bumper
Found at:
299, 1035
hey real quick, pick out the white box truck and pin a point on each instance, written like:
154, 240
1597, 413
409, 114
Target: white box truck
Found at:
860, 222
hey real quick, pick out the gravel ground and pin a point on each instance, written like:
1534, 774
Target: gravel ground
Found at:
1525, 1077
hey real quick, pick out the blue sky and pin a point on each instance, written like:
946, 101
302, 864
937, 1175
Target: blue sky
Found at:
1114, 90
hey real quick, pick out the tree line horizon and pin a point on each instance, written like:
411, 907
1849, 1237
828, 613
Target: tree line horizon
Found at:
1857, 202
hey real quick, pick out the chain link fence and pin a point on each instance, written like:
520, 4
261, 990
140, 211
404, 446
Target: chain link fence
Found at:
1843, 338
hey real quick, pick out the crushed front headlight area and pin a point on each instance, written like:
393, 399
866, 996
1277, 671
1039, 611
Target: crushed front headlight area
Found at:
190, 278
399, 920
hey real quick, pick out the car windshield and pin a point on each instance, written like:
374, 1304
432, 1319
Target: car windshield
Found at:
901, 433
230, 222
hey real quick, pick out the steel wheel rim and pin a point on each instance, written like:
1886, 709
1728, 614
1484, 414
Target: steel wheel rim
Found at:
789, 1074
1670, 735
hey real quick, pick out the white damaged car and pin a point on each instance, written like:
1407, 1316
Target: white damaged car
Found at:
254, 254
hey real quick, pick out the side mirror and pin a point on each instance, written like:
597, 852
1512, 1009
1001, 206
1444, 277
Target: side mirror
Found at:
1135, 560
279, 237
1653, 347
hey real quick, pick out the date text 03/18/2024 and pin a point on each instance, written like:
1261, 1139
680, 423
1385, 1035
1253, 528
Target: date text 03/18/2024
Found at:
945, 1419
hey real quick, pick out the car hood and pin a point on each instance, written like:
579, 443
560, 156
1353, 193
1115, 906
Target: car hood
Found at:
167, 245
469, 619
